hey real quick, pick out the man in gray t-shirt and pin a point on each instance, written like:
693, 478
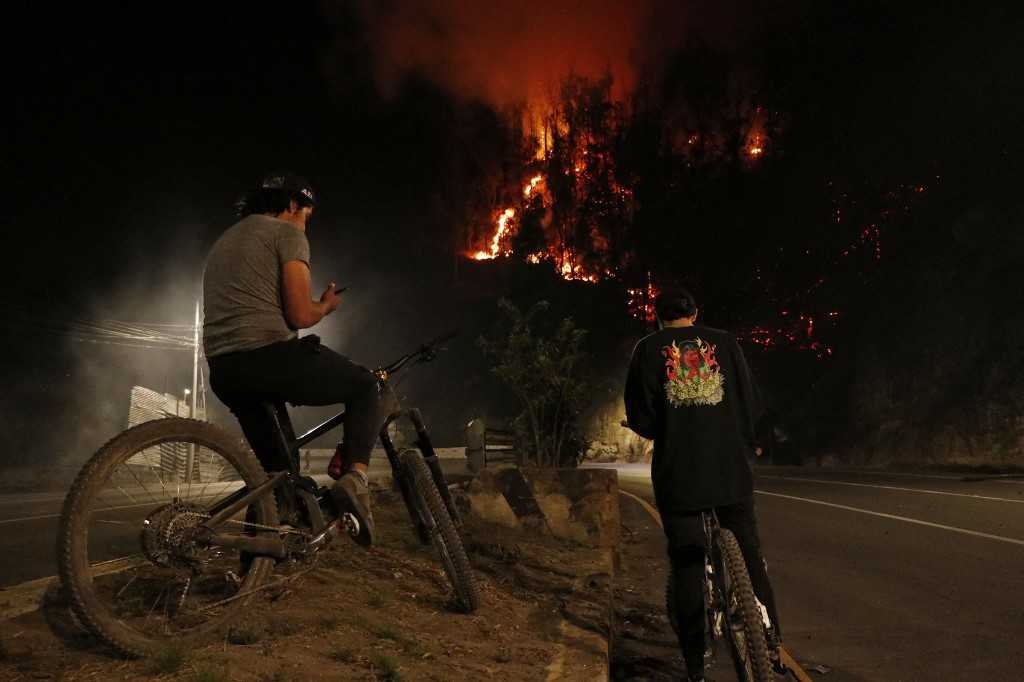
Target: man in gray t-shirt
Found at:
256, 296
242, 284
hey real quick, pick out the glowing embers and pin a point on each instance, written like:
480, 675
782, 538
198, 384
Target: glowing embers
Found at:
640, 301
756, 138
794, 332
571, 272
755, 147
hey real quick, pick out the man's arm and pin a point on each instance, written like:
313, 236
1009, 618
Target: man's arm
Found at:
639, 397
300, 311
750, 399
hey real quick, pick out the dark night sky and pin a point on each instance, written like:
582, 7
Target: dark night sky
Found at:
133, 130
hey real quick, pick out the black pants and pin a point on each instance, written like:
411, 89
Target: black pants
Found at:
300, 372
686, 547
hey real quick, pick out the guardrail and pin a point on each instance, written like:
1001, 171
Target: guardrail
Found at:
486, 446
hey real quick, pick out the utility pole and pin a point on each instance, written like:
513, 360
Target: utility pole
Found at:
190, 464
195, 363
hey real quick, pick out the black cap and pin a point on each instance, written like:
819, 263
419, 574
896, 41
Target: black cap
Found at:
296, 186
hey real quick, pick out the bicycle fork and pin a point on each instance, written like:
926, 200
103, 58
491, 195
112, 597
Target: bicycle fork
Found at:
426, 447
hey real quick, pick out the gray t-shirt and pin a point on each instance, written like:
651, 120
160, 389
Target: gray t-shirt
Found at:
242, 302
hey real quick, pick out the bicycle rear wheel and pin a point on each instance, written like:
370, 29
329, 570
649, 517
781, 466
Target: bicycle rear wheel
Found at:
125, 552
436, 521
744, 624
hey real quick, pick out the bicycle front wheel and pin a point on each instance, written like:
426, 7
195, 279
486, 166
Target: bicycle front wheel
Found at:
127, 549
744, 624
436, 521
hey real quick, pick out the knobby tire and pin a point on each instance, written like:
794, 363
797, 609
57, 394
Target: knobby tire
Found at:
443, 534
745, 628
72, 537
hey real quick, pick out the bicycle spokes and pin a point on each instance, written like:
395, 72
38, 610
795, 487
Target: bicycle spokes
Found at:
146, 516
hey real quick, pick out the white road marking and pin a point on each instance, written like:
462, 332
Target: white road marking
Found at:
646, 505
29, 518
884, 472
96, 511
894, 517
892, 487
982, 478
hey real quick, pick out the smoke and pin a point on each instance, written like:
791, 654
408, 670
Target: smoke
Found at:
508, 51
505, 51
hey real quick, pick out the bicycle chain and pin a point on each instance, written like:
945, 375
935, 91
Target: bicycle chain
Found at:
261, 526
252, 524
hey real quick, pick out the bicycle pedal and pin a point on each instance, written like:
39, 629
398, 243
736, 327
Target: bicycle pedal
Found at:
350, 523
307, 483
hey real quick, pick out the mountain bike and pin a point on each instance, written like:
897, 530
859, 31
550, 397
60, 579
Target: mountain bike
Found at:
173, 525
732, 609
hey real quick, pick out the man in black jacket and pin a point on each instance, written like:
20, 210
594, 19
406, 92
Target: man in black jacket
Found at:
689, 389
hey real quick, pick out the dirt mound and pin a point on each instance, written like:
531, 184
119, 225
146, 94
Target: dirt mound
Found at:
354, 614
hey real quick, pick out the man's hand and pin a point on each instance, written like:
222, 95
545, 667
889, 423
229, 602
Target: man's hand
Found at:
330, 298
300, 312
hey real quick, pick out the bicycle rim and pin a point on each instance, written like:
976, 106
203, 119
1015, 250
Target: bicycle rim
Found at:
136, 576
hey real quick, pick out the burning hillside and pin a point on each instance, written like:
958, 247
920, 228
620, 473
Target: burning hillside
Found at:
575, 209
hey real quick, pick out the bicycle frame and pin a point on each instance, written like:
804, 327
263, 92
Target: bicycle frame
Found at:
289, 480
714, 584
721, 598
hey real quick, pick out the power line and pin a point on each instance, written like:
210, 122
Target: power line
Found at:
110, 331
133, 345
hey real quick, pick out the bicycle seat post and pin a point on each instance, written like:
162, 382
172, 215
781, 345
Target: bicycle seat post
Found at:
284, 436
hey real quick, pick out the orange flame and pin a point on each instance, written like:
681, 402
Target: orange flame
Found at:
533, 184
756, 146
503, 229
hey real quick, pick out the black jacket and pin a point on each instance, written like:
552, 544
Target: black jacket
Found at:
690, 390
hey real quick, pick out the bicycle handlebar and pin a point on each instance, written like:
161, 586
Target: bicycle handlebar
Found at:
424, 353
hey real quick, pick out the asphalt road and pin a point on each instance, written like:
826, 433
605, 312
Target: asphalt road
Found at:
896, 577
879, 576
28, 526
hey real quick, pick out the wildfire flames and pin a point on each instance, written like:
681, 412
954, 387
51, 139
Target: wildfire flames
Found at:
579, 168
587, 168
533, 185
506, 226
503, 230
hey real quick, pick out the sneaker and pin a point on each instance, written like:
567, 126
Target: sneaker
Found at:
351, 494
